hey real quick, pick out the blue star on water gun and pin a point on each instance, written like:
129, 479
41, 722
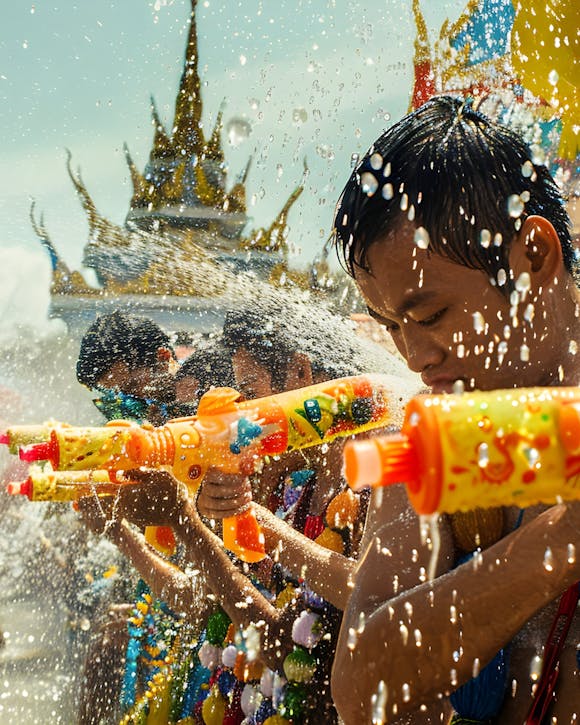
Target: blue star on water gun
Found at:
247, 432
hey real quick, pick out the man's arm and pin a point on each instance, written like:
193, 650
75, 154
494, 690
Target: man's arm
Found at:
425, 642
328, 574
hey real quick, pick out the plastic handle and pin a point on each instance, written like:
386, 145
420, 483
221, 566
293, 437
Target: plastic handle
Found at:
243, 537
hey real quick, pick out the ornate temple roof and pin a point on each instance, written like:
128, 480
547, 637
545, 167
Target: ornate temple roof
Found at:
185, 221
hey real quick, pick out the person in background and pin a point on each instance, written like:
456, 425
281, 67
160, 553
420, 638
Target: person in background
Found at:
131, 362
284, 611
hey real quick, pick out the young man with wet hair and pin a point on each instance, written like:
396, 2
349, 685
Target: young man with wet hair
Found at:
131, 361
459, 243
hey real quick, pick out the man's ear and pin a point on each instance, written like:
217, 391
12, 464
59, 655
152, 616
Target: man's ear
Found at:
537, 251
299, 373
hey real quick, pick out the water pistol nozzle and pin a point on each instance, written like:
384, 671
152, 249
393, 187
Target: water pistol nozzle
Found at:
45, 451
380, 462
24, 488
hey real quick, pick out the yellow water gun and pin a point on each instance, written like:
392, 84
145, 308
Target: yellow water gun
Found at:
515, 447
227, 433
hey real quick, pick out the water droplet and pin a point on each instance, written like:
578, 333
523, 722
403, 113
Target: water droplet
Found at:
404, 633
379, 704
351, 639
418, 637
476, 667
453, 614
406, 691
573, 347
523, 283
458, 387
387, 191
501, 277
300, 116
361, 623
238, 130
515, 205
460, 351
421, 237
502, 349
529, 313
548, 559
485, 238
404, 202
376, 161
571, 556
535, 668
409, 610
478, 322
387, 170
482, 455
369, 183
553, 77
527, 169
524, 353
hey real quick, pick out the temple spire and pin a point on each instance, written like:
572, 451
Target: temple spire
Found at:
162, 147
137, 179
424, 82
187, 135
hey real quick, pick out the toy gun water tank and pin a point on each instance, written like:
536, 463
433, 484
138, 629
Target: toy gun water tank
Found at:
515, 447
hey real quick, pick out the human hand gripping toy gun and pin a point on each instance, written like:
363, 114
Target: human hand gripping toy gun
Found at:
458, 452
225, 433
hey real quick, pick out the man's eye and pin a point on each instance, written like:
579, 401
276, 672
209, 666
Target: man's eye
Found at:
432, 319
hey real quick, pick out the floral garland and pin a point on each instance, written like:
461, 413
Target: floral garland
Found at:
217, 679
241, 690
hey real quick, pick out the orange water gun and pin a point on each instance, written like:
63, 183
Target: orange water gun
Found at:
514, 447
226, 432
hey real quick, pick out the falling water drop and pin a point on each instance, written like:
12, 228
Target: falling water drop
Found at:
421, 238
571, 556
379, 703
535, 668
482, 455
515, 206
369, 183
548, 559
478, 322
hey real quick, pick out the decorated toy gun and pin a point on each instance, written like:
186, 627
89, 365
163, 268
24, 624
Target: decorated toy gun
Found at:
513, 447
225, 433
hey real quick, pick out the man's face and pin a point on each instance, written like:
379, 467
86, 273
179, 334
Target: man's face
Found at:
253, 380
450, 323
153, 382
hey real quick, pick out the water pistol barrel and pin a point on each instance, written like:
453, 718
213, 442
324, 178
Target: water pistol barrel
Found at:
514, 447
23, 435
45, 484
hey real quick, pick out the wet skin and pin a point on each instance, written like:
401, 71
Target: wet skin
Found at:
449, 322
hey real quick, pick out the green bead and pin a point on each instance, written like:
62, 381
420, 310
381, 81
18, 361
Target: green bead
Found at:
294, 702
217, 627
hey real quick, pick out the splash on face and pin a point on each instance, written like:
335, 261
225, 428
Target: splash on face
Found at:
451, 323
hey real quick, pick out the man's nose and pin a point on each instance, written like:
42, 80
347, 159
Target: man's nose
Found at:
421, 350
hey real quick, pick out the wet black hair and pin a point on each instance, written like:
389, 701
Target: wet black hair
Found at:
468, 181
257, 332
119, 337
210, 366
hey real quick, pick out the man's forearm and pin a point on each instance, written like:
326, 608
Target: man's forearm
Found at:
326, 572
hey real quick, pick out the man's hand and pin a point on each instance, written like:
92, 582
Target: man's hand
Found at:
151, 498
223, 494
